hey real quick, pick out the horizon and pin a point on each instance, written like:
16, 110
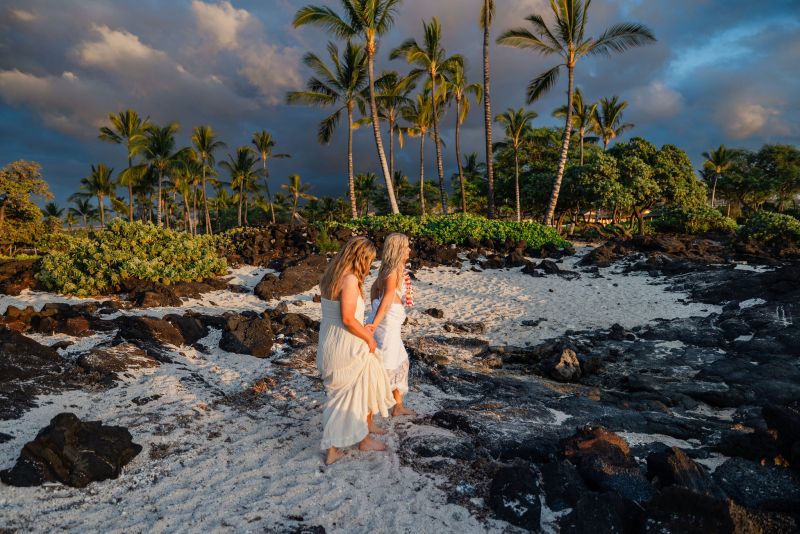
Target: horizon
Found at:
202, 62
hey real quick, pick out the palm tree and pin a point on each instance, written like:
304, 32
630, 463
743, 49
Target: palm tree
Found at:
221, 201
98, 184
487, 15
297, 191
718, 161
127, 127
242, 174
52, 215
567, 39
205, 144
431, 59
393, 94
419, 114
159, 149
458, 89
582, 116
264, 144
367, 20
70, 219
608, 119
365, 189
343, 84
83, 209
517, 123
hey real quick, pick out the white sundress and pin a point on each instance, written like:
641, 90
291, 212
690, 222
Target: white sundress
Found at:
390, 342
355, 381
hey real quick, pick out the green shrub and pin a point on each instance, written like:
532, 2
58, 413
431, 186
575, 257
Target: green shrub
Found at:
51, 242
692, 220
99, 263
771, 228
324, 241
457, 229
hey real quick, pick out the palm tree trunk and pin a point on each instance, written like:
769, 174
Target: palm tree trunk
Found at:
266, 188
246, 207
294, 210
209, 230
487, 115
438, 146
194, 210
582, 134
562, 162
391, 148
158, 210
714, 190
376, 129
102, 211
422, 174
130, 189
351, 182
516, 183
239, 215
458, 155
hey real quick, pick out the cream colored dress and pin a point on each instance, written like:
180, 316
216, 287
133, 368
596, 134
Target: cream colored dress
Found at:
390, 342
355, 380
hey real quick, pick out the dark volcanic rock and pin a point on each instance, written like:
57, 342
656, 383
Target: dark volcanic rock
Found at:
190, 327
72, 452
116, 359
149, 334
562, 366
430, 446
672, 467
563, 486
762, 487
514, 496
436, 313
602, 513
464, 328
247, 334
604, 461
294, 279
785, 422
17, 275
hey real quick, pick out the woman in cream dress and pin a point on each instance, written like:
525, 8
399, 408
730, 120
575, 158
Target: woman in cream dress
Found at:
389, 296
352, 371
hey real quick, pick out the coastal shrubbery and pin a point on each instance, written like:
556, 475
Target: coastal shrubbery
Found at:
459, 229
697, 220
770, 228
99, 263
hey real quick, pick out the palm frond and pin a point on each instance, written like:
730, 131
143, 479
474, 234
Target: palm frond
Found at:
620, 38
542, 83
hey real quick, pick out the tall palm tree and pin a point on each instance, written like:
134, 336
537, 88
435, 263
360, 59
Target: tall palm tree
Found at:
51, 209
608, 119
221, 201
127, 127
83, 208
205, 143
98, 184
459, 89
487, 15
159, 149
393, 93
430, 59
582, 116
365, 189
419, 115
367, 20
242, 174
264, 144
297, 191
517, 123
567, 39
718, 161
343, 84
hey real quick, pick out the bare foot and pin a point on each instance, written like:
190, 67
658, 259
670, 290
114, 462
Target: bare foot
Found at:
333, 455
369, 444
375, 429
399, 410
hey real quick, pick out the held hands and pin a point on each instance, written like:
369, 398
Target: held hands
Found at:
371, 327
373, 345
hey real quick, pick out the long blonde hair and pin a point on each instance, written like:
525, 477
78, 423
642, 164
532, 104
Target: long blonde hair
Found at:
355, 257
392, 263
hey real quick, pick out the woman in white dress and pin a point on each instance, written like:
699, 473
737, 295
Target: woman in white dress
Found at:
390, 293
355, 381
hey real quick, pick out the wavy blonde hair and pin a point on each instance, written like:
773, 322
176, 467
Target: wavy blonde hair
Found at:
355, 257
391, 263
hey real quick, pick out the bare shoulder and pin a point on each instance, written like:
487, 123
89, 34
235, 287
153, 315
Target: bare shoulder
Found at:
349, 280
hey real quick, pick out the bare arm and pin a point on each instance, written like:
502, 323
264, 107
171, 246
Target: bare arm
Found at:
348, 299
386, 301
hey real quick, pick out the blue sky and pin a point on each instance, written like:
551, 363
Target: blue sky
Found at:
722, 71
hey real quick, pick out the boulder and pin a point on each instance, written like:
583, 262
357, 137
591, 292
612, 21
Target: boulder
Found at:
562, 366
672, 467
116, 359
191, 328
563, 486
247, 334
602, 513
761, 487
294, 279
436, 313
437, 445
17, 275
72, 452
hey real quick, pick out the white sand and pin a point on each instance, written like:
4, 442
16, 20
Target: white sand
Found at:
220, 468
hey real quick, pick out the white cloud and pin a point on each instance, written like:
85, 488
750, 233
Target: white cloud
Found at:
222, 22
746, 119
115, 50
23, 15
656, 101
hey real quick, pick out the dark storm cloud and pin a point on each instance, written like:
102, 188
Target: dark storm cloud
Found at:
722, 71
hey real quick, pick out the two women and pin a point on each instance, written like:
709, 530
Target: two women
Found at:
352, 366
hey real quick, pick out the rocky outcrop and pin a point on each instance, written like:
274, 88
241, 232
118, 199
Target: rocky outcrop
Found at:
17, 275
296, 278
247, 333
72, 452
514, 496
